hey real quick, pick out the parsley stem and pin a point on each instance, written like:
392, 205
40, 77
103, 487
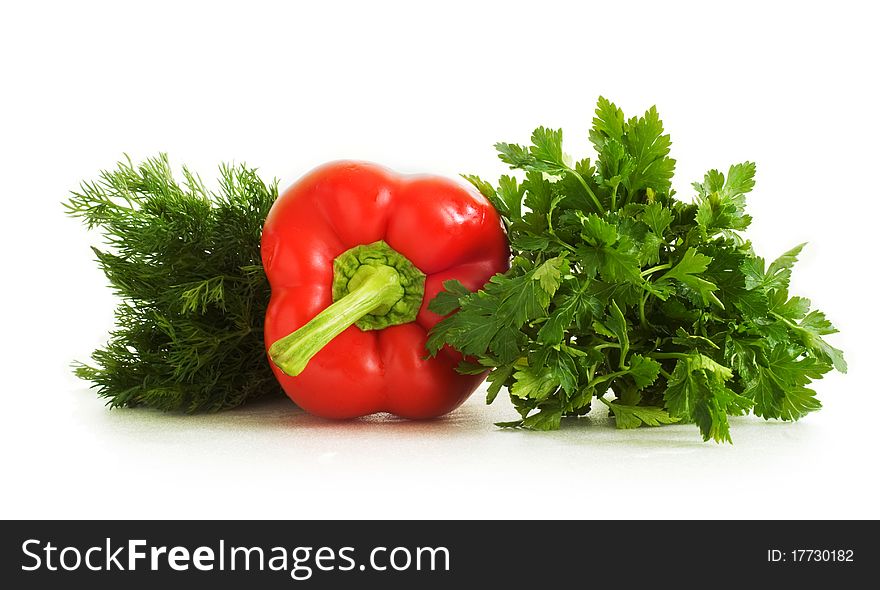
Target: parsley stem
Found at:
668, 355
654, 269
783, 319
608, 377
606, 345
642, 319
564, 244
592, 195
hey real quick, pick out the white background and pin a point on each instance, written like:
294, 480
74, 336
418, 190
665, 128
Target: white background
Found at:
286, 86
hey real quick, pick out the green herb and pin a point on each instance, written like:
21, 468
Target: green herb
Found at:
185, 262
618, 291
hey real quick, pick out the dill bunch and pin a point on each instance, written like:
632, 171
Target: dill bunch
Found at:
185, 263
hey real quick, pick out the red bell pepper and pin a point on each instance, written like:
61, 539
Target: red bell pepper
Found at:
354, 253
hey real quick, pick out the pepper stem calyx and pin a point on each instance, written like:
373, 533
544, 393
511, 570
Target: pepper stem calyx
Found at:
373, 287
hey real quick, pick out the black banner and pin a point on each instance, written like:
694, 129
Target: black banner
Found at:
434, 554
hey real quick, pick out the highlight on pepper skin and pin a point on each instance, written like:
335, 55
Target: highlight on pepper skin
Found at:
354, 253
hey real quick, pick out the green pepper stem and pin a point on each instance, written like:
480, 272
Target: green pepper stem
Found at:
381, 288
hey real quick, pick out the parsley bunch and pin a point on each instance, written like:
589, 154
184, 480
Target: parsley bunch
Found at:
620, 292
185, 262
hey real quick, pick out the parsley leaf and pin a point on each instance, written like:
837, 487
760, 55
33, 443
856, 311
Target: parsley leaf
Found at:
690, 265
721, 203
778, 387
635, 416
